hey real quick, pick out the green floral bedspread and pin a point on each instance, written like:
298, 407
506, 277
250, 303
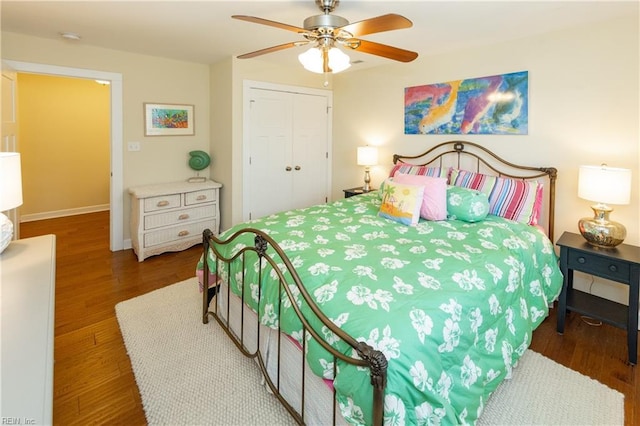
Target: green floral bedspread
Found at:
452, 305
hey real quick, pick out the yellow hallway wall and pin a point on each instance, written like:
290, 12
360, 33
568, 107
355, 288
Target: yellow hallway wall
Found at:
64, 126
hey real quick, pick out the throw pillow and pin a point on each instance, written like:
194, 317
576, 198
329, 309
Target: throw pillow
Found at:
412, 169
434, 199
401, 202
514, 199
466, 204
517, 200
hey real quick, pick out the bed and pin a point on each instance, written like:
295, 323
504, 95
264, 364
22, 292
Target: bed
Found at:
359, 314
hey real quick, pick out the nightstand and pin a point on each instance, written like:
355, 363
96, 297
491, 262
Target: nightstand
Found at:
620, 264
355, 191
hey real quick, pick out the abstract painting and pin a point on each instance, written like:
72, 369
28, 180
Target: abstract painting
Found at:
168, 120
493, 105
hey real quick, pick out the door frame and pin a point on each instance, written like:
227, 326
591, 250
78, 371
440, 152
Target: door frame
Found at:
116, 202
247, 85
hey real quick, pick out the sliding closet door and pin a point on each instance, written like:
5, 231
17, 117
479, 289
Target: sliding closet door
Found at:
287, 158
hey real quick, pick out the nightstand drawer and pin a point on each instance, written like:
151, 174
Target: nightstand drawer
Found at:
604, 267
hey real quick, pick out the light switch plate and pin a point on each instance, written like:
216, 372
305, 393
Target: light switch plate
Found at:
134, 146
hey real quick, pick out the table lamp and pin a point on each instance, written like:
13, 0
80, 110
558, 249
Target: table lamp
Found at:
367, 156
604, 185
10, 193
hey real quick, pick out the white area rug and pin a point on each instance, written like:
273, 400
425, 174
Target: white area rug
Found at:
189, 373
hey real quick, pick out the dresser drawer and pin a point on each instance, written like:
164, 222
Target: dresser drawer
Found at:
179, 216
199, 197
162, 202
177, 233
604, 267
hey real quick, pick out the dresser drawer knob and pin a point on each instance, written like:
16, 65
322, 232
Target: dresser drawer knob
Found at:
613, 268
183, 233
201, 197
183, 216
162, 203
582, 260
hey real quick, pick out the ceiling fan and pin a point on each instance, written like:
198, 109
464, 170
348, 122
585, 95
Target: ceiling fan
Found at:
325, 32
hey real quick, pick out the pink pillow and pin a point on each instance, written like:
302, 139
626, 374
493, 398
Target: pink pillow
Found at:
434, 199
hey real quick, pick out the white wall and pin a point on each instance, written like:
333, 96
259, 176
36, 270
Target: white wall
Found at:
583, 109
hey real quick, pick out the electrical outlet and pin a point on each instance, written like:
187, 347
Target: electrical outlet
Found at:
134, 146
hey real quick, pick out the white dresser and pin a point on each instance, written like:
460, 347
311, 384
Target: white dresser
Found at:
27, 280
171, 216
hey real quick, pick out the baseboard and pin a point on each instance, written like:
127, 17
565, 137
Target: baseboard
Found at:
63, 213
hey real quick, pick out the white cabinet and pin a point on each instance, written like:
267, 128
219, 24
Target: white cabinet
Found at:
171, 216
27, 278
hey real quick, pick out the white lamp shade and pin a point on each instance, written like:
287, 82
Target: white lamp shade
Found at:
312, 60
602, 184
10, 181
367, 156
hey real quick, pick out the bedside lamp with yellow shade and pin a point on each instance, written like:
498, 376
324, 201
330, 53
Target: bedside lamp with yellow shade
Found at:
604, 185
10, 193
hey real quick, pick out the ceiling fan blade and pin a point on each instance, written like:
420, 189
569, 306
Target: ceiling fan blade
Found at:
379, 24
269, 23
271, 49
383, 50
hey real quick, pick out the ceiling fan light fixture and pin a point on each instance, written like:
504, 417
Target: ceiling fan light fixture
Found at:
312, 60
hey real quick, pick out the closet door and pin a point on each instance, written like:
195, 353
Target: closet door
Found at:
288, 143
270, 144
309, 150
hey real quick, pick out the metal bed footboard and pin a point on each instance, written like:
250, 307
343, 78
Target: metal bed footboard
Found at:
374, 360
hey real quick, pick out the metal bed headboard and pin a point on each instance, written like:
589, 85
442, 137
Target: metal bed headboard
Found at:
473, 157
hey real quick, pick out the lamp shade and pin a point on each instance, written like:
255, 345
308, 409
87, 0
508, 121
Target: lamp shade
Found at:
312, 60
10, 181
367, 156
602, 184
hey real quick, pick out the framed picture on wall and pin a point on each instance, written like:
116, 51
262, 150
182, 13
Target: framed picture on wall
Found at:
168, 120
491, 105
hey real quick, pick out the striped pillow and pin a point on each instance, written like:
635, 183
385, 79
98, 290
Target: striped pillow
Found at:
477, 181
514, 199
412, 169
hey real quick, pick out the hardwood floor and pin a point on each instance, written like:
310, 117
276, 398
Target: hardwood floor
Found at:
93, 380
